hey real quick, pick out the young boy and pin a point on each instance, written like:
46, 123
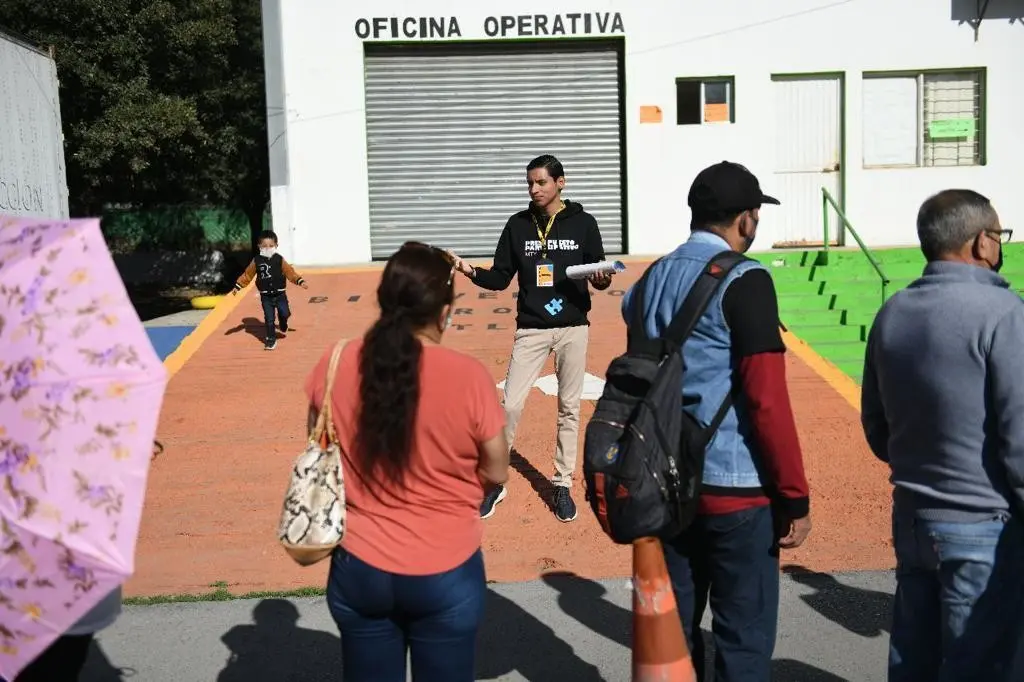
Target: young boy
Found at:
271, 271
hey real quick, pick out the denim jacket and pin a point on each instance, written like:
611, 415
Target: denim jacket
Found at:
707, 353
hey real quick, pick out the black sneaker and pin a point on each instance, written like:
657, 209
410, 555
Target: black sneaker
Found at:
270, 343
565, 508
491, 501
284, 324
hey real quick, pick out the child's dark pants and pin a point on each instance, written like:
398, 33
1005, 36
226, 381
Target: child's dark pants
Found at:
275, 302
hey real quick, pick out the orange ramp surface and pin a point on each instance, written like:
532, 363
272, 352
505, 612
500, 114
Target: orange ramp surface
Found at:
234, 418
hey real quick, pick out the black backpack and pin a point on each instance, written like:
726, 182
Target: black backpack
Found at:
643, 456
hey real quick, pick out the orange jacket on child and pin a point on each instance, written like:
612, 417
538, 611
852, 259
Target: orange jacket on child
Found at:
271, 274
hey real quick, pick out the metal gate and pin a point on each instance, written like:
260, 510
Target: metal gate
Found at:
808, 151
450, 129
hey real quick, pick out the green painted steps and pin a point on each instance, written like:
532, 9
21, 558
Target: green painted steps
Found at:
846, 288
862, 287
801, 318
865, 271
821, 333
785, 257
806, 298
863, 317
847, 356
832, 306
905, 272
791, 275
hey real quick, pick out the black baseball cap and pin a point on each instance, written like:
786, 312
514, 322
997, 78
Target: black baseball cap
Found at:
726, 187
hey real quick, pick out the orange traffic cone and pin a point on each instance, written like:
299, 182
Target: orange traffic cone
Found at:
660, 653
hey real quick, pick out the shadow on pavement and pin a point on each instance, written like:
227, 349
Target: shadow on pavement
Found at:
795, 671
583, 600
867, 613
275, 649
511, 639
254, 327
98, 667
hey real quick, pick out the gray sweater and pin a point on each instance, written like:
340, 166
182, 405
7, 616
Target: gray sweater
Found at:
942, 399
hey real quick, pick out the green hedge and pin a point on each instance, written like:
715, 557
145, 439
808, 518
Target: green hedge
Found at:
176, 228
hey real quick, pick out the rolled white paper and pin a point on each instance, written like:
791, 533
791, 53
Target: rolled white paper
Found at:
583, 271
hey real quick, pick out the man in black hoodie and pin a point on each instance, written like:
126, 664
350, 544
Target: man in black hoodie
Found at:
536, 247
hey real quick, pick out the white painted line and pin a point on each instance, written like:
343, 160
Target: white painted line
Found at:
592, 386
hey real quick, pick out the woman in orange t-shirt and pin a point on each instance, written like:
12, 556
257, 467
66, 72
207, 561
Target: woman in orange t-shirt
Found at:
422, 436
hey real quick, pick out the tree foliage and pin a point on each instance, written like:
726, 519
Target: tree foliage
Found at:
162, 101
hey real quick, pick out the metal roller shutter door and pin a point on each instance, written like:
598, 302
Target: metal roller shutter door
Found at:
450, 130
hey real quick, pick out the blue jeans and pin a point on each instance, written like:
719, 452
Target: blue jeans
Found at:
733, 559
382, 616
271, 303
958, 613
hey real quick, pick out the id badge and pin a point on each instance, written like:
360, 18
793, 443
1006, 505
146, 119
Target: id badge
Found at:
545, 273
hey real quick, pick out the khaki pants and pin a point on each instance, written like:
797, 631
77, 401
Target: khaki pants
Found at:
529, 353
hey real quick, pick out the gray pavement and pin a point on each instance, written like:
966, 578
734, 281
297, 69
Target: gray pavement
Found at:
566, 629
186, 318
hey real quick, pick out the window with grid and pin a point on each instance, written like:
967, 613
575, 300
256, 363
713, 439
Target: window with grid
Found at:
924, 119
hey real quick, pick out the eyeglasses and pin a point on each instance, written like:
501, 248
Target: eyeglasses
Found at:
1001, 236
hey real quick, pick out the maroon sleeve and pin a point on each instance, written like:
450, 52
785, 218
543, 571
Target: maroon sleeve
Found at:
763, 378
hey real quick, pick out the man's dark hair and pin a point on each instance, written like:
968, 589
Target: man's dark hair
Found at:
948, 220
267, 234
549, 163
709, 221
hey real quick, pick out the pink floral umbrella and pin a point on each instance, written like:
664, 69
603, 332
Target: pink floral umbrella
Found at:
80, 394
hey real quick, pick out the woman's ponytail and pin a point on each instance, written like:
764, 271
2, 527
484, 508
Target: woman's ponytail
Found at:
414, 290
389, 396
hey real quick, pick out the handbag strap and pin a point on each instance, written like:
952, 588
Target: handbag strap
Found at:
324, 420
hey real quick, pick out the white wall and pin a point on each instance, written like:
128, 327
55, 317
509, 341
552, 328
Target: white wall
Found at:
323, 184
277, 127
33, 180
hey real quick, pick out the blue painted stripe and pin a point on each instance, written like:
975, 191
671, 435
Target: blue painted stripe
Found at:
166, 340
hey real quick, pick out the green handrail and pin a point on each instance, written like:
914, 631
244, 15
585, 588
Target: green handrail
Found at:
827, 199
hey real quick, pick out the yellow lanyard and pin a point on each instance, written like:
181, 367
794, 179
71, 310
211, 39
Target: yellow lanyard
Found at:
544, 235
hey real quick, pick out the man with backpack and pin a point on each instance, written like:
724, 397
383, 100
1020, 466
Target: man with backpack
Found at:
737, 473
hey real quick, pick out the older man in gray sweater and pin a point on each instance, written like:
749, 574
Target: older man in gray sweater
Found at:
943, 404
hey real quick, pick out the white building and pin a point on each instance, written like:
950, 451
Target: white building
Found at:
397, 120
33, 177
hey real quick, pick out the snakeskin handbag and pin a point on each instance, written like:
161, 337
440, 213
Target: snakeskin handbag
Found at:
313, 516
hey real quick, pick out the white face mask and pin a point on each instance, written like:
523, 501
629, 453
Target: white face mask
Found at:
268, 253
